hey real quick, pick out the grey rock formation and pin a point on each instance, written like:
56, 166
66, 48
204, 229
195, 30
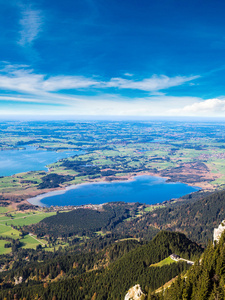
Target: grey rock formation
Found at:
135, 293
218, 231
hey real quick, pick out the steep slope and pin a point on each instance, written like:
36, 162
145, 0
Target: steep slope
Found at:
113, 281
204, 281
196, 219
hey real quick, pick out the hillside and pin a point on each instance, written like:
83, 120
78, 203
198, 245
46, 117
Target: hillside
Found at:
81, 276
82, 221
108, 251
204, 281
195, 219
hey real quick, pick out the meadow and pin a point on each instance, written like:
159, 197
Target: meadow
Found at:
12, 221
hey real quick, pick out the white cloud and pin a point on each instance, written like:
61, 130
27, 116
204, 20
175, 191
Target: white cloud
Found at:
128, 74
155, 83
22, 79
204, 107
104, 105
19, 99
111, 105
38, 89
25, 81
68, 105
68, 82
31, 23
152, 106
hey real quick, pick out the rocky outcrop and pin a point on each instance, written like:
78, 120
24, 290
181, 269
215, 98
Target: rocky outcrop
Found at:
18, 280
218, 231
135, 293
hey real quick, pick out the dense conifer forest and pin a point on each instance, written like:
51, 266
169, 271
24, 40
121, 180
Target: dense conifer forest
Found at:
80, 276
196, 218
83, 221
53, 181
204, 281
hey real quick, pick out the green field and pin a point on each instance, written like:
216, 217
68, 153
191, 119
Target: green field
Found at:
166, 261
101, 233
4, 210
152, 207
21, 219
8, 231
4, 250
29, 242
56, 247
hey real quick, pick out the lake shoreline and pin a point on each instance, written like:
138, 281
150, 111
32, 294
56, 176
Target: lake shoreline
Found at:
23, 195
36, 200
31, 159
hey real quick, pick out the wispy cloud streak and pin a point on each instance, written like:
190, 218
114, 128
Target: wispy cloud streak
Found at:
155, 83
31, 23
23, 79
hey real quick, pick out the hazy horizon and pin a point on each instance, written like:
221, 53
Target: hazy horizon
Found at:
111, 118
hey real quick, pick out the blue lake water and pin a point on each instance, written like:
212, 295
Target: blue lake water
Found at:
29, 159
144, 189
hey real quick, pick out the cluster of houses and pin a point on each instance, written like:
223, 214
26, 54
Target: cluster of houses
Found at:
178, 258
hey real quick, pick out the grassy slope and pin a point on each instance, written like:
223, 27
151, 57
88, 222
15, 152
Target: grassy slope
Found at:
166, 261
21, 219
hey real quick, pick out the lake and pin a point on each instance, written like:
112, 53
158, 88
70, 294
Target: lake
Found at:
30, 159
144, 189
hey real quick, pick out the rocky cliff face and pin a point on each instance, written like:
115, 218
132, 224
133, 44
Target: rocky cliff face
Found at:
135, 293
218, 231
18, 280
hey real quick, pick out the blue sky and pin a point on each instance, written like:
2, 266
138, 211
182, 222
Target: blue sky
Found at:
112, 58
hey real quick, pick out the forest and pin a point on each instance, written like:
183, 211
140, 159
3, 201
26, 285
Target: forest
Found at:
82, 221
80, 276
196, 218
53, 181
204, 281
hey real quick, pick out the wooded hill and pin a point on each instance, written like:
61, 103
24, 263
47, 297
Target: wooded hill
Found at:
196, 219
104, 275
204, 281
83, 221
